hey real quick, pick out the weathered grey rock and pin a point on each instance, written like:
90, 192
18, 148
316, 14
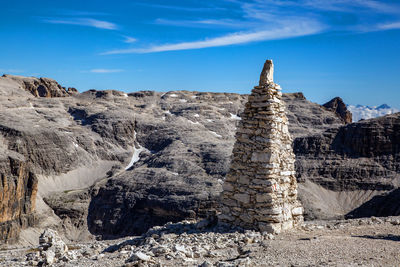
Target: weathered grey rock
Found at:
205, 264
140, 256
50, 240
49, 257
267, 73
185, 141
51, 249
359, 159
41, 87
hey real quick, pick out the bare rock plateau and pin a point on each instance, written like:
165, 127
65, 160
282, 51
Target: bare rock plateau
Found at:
106, 164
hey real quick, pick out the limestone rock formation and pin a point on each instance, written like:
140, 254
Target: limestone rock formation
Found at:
339, 107
350, 164
41, 87
180, 144
260, 190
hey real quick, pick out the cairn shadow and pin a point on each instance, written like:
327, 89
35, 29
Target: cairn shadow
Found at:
388, 237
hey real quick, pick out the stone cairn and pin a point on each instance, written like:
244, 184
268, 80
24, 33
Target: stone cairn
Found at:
260, 190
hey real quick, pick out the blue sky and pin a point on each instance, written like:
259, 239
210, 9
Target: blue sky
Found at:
324, 48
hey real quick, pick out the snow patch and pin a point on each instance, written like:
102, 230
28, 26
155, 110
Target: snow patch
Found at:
193, 96
167, 112
175, 173
173, 95
125, 95
209, 120
217, 135
75, 144
196, 115
193, 122
235, 117
136, 154
183, 100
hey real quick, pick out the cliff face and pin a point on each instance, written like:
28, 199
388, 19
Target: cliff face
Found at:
46, 147
351, 165
18, 189
361, 155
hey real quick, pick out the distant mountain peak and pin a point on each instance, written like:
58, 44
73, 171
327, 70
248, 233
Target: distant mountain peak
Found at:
383, 106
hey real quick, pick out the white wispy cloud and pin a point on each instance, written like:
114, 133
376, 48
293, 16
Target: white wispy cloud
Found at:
182, 8
203, 23
263, 20
89, 22
351, 5
106, 70
329, 5
389, 26
80, 13
287, 31
129, 39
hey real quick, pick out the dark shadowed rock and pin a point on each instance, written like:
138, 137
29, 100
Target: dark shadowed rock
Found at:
379, 206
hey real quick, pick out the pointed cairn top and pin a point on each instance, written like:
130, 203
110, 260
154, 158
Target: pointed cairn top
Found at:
267, 74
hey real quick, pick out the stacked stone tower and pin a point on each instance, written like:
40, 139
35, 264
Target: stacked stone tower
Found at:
260, 190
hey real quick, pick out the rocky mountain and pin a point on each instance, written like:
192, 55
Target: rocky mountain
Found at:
110, 164
41, 87
339, 107
354, 163
361, 112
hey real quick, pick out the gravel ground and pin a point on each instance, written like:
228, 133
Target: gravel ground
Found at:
359, 242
